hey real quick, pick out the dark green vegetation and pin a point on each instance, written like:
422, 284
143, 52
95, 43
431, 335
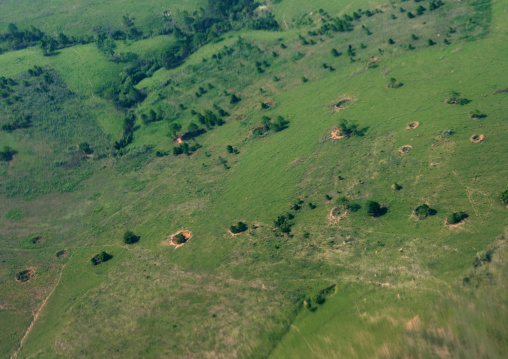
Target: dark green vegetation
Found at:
100, 258
129, 237
238, 228
198, 114
456, 217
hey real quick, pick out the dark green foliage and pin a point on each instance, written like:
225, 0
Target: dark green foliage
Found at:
393, 84
390, 41
24, 276
185, 148
312, 205
7, 154
476, 114
457, 99
430, 42
283, 224
456, 217
414, 37
374, 209
128, 132
410, 15
18, 123
420, 10
279, 124
350, 129
129, 237
304, 79
234, 99
238, 228
424, 211
503, 197
396, 187
483, 257
434, 5
85, 147
351, 51
180, 238
342, 201
100, 258
174, 128
335, 53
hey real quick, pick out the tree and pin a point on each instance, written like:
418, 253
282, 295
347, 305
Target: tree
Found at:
85, 147
7, 154
423, 211
239, 228
503, 196
174, 128
342, 202
180, 238
100, 258
374, 209
234, 99
456, 217
129, 237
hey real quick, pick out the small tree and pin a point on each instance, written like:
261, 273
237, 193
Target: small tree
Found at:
335, 53
7, 154
342, 202
374, 209
422, 211
85, 147
234, 99
239, 228
100, 258
180, 238
456, 217
503, 196
129, 237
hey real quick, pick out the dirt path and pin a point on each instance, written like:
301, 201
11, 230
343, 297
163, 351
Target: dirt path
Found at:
284, 19
36, 316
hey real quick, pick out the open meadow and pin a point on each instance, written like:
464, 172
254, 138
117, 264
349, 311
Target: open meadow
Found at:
338, 181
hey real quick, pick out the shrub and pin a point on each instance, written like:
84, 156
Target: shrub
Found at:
100, 258
390, 41
24, 276
396, 187
129, 237
239, 228
348, 130
456, 217
431, 42
85, 147
335, 53
503, 196
234, 99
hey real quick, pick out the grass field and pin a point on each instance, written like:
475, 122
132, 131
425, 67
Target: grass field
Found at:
391, 286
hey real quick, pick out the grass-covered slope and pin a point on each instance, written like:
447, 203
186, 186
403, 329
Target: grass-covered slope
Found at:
319, 272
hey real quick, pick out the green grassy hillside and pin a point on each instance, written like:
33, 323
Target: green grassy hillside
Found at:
320, 272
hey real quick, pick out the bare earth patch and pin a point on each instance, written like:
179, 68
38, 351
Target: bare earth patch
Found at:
335, 135
336, 214
25, 275
413, 324
404, 150
234, 234
343, 103
477, 138
171, 241
412, 125
456, 225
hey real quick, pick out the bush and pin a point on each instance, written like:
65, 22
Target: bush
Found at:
129, 237
476, 114
348, 130
456, 217
503, 196
342, 202
100, 258
239, 228
394, 84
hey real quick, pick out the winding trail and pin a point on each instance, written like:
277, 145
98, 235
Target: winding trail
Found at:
36, 316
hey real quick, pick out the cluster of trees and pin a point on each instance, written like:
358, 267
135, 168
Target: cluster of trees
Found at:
283, 222
185, 148
423, 211
456, 99
350, 129
151, 117
267, 124
128, 132
18, 123
210, 119
179, 238
100, 258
